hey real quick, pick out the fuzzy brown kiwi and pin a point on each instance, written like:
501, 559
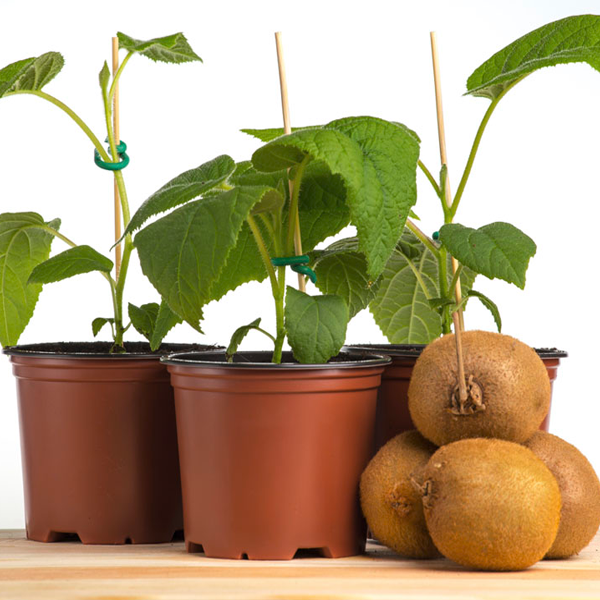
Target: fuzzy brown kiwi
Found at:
509, 389
490, 504
390, 502
580, 491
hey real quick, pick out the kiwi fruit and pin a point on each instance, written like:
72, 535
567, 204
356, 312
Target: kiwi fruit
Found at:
507, 383
490, 504
390, 502
580, 491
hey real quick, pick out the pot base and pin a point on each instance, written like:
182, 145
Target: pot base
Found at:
103, 537
271, 552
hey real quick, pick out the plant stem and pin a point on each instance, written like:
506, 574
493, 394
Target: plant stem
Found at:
117, 76
475, 147
293, 214
71, 113
428, 242
277, 287
431, 178
456, 277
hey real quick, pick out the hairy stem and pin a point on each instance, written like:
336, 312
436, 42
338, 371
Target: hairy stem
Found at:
294, 201
71, 114
428, 242
431, 178
471, 159
277, 288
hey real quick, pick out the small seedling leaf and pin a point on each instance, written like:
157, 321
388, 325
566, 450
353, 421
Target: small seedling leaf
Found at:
490, 305
99, 322
568, 40
143, 318
74, 261
316, 325
498, 250
238, 336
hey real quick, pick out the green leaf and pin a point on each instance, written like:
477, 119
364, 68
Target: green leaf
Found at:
170, 49
183, 188
316, 325
99, 322
143, 318
23, 245
267, 135
343, 272
30, 74
166, 319
104, 78
238, 336
498, 250
401, 308
568, 40
377, 163
490, 305
74, 261
184, 252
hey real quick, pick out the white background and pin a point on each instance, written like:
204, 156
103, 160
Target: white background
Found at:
537, 167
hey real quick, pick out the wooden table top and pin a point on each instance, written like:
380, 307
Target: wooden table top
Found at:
68, 570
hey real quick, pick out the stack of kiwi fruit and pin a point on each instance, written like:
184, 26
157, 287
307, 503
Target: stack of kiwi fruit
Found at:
477, 481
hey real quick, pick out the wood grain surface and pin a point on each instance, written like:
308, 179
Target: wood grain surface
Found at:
68, 570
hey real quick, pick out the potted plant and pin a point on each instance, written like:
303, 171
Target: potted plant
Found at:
272, 444
413, 299
97, 419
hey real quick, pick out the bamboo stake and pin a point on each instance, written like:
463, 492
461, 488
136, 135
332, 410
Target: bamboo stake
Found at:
457, 317
287, 128
118, 230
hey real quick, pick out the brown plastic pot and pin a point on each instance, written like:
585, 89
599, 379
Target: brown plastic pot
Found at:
393, 416
99, 445
271, 455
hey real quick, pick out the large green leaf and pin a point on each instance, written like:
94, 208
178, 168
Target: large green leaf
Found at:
377, 163
184, 252
74, 261
401, 307
342, 270
23, 245
170, 49
316, 325
183, 188
568, 40
30, 74
495, 250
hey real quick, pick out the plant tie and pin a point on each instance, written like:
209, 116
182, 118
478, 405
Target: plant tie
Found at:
298, 264
113, 166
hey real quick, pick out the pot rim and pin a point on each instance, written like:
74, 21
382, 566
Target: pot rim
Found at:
216, 359
43, 350
414, 350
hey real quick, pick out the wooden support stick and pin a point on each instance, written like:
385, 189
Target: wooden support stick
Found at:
118, 229
287, 128
457, 317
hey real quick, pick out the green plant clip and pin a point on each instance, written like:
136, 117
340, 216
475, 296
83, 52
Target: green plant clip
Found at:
113, 166
298, 264
436, 235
